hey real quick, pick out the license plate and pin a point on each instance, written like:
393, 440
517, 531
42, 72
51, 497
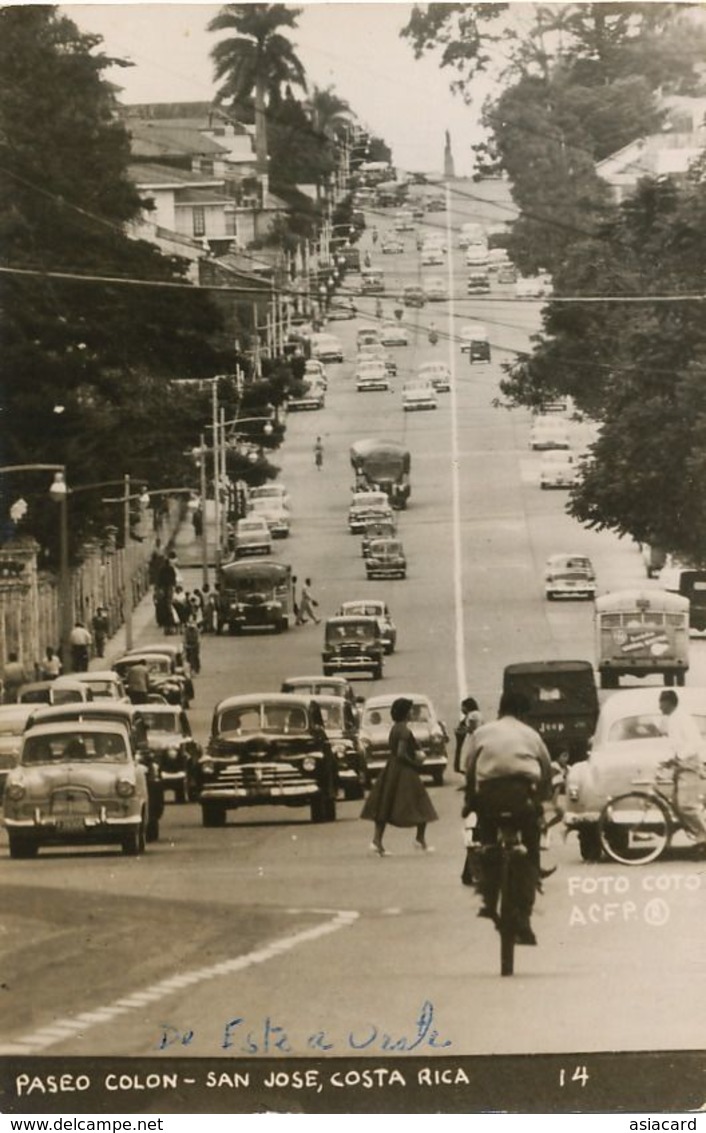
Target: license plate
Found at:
70, 825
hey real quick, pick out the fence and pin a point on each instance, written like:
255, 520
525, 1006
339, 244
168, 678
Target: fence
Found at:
29, 600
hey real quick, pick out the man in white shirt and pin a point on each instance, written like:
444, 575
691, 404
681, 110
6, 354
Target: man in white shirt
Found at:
688, 754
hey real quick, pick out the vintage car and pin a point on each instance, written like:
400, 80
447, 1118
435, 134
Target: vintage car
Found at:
275, 515
252, 536
386, 559
179, 665
376, 529
507, 273
321, 686
311, 395
413, 296
432, 255
104, 684
375, 352
475, 342
569, 576
430, 732
353, 645
477, 256
563, 703
164, 678
76, 783
372, 375
436, 289
438, 374
342, 724
391, 246
342, 309
549, 433
394, 334
264, 751
70, 691
326, 347
270, 492
471, 232
372, 282
173, 747
128, 716
366, 506
534, 287
13, 718
373, 608
559, 469
627, 747
478, 282
419, 393
314, 369
367, 336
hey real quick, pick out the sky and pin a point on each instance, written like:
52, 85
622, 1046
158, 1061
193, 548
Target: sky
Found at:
356, 47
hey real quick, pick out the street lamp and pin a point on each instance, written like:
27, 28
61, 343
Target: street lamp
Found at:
59, 493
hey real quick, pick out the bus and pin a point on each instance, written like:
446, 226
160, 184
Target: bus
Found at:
255, 595
640, 632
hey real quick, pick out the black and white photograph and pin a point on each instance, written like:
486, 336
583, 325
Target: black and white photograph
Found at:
353, 558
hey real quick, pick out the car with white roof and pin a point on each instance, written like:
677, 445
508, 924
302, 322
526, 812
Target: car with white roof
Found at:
371, 375
419, 393
549, 433
438, 373
429, 731
559, 469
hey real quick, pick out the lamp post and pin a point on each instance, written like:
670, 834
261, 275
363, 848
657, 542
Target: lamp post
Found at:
59, 493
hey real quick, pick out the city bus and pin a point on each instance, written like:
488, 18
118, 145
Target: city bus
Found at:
255, 595
640, 632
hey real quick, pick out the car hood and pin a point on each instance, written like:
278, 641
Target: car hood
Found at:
43, 779
259, 745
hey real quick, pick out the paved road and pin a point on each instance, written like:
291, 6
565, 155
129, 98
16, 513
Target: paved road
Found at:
296, 930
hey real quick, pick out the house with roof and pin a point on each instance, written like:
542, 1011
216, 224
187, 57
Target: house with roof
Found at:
669, 153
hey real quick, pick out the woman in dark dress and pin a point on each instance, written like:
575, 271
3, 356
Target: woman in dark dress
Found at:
398, 796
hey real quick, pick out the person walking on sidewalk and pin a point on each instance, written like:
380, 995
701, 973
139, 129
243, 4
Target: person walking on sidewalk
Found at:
100, 630
307, 605
80, 642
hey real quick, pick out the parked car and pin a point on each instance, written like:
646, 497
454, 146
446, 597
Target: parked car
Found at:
275, 515
128, 716
263, 751
429, 731
394, 334
314, 368
372, 375
413, 296
419, 394
569, 576
311, 395
270, 492
559, 469
549, 432
377, 529
326, 347
353, 645
173, 747
13, 718
46, 692
164, 679
104, 684
252, 537
438, 374
436, 290
366, 506
386, 559
76, 784
373, 608
342, 309
628, 745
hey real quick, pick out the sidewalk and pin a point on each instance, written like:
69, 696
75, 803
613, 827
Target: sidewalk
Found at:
115, 646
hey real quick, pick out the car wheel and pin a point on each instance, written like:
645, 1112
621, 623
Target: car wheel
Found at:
133, 841
328, 671
589, 843
22, 845
212, 815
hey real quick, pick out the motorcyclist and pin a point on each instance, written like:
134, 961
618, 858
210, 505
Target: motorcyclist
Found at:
508, 770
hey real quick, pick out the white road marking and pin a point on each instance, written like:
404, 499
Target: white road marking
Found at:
62, 1029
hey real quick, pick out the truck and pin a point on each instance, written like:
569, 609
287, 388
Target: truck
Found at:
383, 465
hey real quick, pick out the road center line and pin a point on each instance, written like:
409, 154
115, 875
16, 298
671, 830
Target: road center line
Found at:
460, 629
61, 1029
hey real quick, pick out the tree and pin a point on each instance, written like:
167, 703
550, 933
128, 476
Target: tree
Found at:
87, 363
258, 60
330, 114
639, 369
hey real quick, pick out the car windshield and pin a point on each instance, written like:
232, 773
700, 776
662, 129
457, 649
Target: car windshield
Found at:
101, 688
332, 715
277, 718
366, 609
160, 721
369, 499
386, 547
75, 747
648, 725
349, 631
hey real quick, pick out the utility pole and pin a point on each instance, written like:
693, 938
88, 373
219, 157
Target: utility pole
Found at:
224, 480
204, 529
127, 572
216, 501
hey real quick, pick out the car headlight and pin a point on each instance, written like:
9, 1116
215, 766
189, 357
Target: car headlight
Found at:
172, 752
125, 788
15, 791
207, 767
309, 764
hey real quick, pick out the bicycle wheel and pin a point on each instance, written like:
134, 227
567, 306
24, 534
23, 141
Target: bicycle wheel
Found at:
634, 828
506, 920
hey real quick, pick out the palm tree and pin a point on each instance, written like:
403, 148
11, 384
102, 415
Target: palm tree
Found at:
258, 58
330, 115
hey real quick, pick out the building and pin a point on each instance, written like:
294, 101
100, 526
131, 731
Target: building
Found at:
669, 153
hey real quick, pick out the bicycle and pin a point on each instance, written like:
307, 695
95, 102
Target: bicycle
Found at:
637, 827
504, 858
